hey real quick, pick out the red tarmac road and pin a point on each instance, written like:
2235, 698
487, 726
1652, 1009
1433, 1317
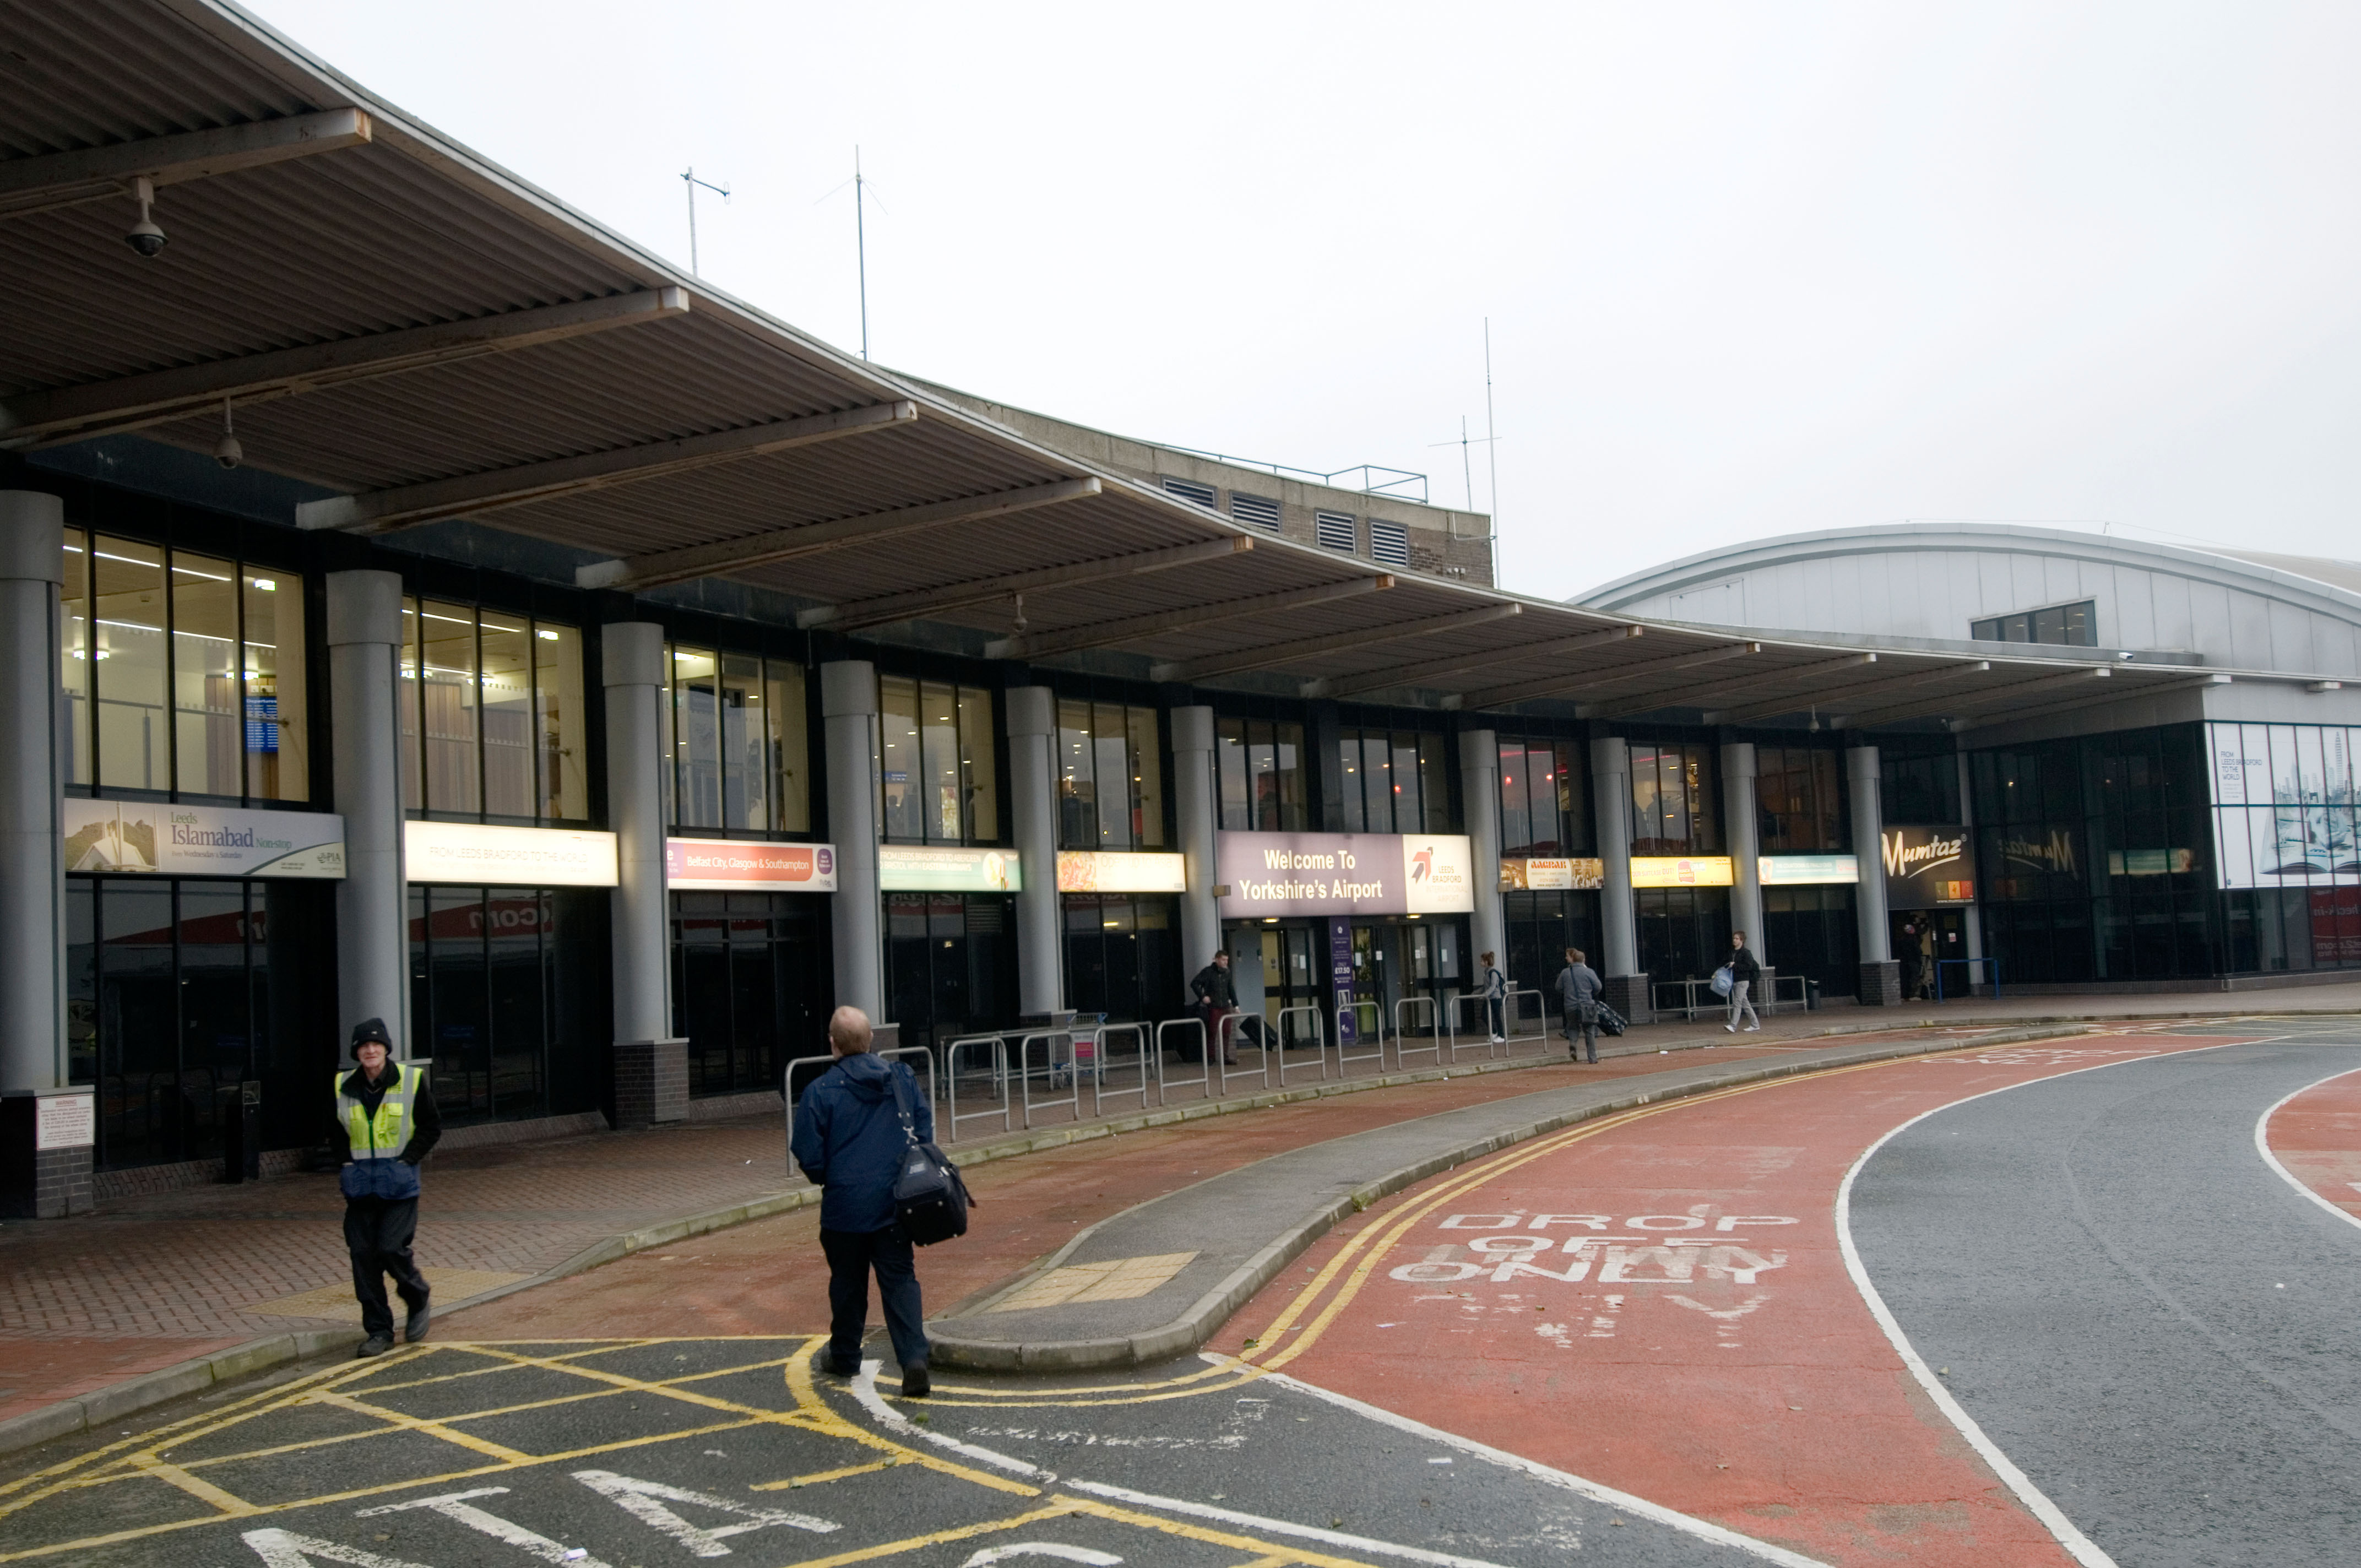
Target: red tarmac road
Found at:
2316, 1137
1659, 1303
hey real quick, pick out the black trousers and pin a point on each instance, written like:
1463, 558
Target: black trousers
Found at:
377, 1231
852, 1255
1589, 1027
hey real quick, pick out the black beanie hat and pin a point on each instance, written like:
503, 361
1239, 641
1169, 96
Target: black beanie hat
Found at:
370, 1029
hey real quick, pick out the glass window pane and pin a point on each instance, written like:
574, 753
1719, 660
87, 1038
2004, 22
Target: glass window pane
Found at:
74, 656
1146, 763
447, 683
1377, 780
1230, 753
1110, 770
561, 722
745, 737
697, 734
1287, 767
898, 765
940, 753
1402, 784
790, 749
409, 700
1516, 808
1574, 825
1267, 776
1077, 799
1434, 787
127, 616
1348, 753
277, 757
507, 687
980, 766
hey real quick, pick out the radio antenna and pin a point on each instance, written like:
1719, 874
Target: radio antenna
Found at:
1492, 452
720, 191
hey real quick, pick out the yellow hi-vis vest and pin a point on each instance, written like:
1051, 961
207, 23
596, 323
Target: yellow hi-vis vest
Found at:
380, 1136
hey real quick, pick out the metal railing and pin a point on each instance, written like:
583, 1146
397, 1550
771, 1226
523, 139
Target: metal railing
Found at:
1402, 1047
1060, 1073
1217, 1058
1319, 1033
1098, 1038
787, 1084
1513, 1015
1205, 1059
1376, 1016
1800, 1001
999, 1069
1969, 965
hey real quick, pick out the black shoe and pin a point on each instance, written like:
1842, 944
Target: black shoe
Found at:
413, 1327
376, 1344
825, 1362
914, 1383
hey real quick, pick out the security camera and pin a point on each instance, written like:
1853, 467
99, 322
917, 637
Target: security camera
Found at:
226, 451
145, 237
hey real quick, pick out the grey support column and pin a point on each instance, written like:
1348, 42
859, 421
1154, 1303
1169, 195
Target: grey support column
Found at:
1196, 802
1032, 821
650, 1062
1480, 790
1741, 822
44, 1155
1972, 914
1881, 976
847, 704
1610, 797
365, 762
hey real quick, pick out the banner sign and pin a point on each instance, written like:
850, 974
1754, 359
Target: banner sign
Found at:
149, 837
1927, 866
1806, 871
1345, 874
739, 865
535, 856
1101, 871
1539, 876
905, 868
1683, 870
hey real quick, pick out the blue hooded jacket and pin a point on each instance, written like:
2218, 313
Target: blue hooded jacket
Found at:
848, 1139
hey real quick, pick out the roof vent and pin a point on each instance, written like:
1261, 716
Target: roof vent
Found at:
1389, 544
1190, 490
1259, 510
1334, 531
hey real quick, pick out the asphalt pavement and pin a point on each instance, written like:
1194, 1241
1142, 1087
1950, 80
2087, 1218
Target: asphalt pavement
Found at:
2152, 1324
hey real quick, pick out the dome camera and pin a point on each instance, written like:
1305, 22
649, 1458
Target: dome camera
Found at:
226, 451
145, 237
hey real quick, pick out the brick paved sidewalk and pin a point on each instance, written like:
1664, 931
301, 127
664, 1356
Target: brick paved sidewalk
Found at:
154, 1281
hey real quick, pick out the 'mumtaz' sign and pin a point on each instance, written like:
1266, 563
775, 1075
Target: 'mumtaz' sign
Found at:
1927, 866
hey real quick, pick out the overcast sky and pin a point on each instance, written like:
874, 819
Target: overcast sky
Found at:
1750, 269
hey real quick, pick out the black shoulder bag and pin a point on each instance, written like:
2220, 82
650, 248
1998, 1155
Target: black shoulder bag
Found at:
931, 1201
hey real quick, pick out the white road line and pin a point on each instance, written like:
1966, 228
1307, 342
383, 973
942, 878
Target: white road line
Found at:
2083, 1550
2263, 1147
864, 1389
1639, 1508
1278, 1527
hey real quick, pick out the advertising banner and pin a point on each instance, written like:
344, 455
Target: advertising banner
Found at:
904, 867
1927, 866
1101, 871
536, 857
1806, 871
1345, 874
1541, 875
152, 839
1683, 870
737, 865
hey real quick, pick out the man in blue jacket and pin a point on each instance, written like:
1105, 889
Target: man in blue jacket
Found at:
849, 1141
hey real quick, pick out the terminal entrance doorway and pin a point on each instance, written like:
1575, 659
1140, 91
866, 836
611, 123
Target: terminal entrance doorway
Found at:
1369, 963
1924, 936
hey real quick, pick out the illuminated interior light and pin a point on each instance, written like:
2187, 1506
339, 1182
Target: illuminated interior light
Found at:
546, 634
266, 585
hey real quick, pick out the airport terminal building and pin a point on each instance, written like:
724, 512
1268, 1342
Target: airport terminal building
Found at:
418, 601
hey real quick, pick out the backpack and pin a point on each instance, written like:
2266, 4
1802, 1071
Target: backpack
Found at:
931, 1201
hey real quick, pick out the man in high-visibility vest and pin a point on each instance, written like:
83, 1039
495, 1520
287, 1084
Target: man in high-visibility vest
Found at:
386, 1121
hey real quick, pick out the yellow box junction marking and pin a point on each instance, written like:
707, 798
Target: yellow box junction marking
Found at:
1116, 1279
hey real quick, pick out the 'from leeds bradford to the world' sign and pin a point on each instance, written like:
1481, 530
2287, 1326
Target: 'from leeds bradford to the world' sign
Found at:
1345, 873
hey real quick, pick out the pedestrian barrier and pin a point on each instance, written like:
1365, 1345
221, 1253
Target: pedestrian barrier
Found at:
1059, 1072
787, 1082
1377, 1016
1801, 1000
1217, 1060
1969, 965
1402, 1047
1483, 1030
1205, 1059
1319, 1032
999, 1048
1513, 1008
1098, 1038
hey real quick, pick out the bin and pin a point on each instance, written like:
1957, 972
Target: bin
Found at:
1811, 995
241, 1132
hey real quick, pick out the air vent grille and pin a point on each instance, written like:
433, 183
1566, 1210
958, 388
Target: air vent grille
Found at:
1336, 530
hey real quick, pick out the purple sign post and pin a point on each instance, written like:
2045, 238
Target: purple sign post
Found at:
1340, 967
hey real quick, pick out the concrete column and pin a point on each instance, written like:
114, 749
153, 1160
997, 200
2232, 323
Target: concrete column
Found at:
650, 1073
1610, 800
36, 1181
1196, 802
848, 706
1741, 822
1973, 916
364, 760
1033, 823
1881, 976
1479, 789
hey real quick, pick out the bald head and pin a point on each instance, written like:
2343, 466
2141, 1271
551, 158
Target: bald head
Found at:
849, 1032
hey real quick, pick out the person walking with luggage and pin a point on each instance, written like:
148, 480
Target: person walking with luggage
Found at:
1744, 971
387, 1120
1578, 991
1217, 998
1496, 999
849, 1141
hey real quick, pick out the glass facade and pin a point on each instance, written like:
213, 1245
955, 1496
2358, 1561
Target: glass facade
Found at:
1260, 767
1676, 800
1814, 932
182, 673
1544, 799
1683, 932
1541, 928
737, 744
1123, 956
508, 997
493, 719
1110, 776
2285, 798
1393, 781
2069, 625
1799, 799
950, 964
937, 762
751, 985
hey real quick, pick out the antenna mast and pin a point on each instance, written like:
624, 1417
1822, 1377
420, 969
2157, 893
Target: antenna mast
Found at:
1492, 451
861, 244
689, 175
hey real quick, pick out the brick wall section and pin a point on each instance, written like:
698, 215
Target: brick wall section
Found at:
651, 1083
1629, 994
62, 1183
1881, 983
